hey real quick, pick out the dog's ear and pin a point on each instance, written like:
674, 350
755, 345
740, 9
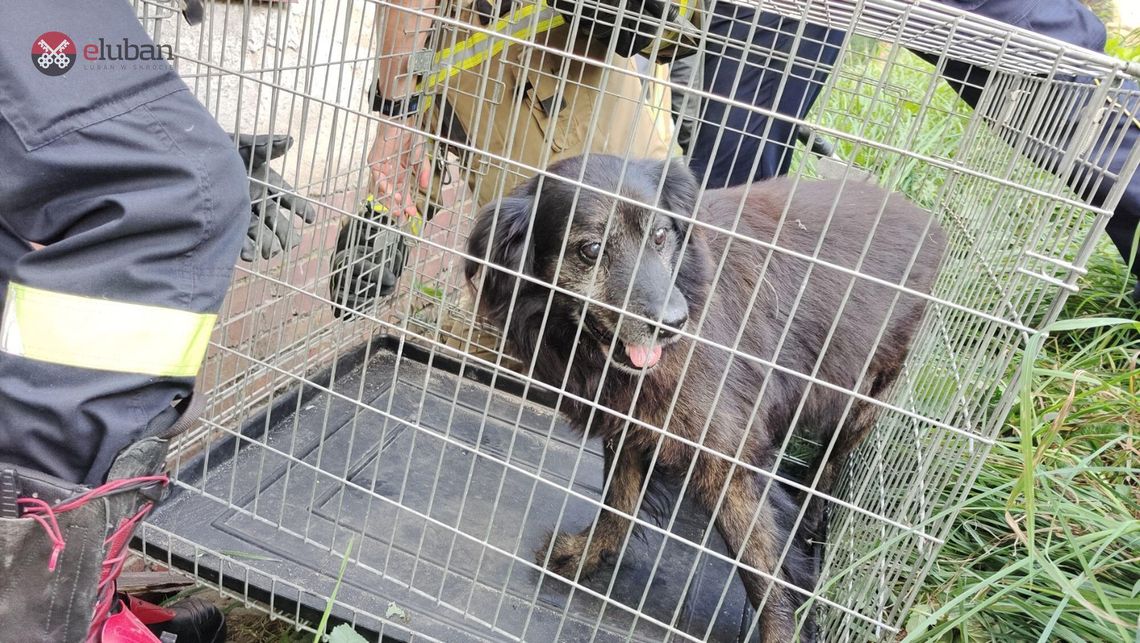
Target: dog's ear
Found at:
679, 191
501, 228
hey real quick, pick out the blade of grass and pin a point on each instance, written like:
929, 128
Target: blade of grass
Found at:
923, 631
332, 597
1028, 420
240, 555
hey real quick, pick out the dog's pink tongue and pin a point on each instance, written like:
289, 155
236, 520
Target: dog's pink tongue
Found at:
643, 356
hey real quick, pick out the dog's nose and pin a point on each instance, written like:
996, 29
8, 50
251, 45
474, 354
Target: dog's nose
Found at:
669, 327
674, 317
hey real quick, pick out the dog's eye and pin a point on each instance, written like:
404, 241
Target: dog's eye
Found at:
659, 236
590, 250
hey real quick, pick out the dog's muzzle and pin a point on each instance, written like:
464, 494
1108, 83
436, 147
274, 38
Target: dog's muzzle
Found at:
627, 354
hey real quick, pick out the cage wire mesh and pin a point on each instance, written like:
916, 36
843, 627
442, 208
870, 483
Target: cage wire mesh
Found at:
401, 436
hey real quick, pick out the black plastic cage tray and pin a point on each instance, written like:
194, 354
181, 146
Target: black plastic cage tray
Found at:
444, 499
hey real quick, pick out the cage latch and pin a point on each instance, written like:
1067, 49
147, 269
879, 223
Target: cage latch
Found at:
421, 62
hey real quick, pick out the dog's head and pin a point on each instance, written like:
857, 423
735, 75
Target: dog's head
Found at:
615, 254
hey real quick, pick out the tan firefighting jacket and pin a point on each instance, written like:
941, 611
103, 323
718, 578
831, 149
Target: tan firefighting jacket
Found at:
513, 95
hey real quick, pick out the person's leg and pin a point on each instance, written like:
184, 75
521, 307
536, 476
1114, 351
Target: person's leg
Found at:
140, 204
96, 345
1071, 22
141, 217
685, 73
734, 145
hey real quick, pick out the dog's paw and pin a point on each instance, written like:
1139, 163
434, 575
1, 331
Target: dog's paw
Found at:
568, 554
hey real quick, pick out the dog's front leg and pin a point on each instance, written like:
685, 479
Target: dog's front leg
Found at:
569, 554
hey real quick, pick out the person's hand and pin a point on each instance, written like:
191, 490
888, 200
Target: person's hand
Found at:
271, 198
396, 158
370, 256
370, 250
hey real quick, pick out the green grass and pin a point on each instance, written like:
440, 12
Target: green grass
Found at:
1047, 544
1061, 562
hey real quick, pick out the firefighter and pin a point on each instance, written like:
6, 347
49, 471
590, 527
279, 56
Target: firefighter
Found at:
582, 86
732, 145
123, 207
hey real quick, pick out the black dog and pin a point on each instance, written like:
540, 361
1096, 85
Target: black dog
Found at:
808, 318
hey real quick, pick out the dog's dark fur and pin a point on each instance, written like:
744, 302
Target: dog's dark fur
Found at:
755, 518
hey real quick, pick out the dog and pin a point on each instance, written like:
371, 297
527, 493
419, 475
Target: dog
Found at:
616, 292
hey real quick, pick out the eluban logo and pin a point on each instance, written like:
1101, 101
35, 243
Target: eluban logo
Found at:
126, 50
53, 53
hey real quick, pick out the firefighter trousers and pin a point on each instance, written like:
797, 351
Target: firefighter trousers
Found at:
731, 145
123, 206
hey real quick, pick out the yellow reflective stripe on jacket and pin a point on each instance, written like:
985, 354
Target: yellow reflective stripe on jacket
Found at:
102, 334
522, 23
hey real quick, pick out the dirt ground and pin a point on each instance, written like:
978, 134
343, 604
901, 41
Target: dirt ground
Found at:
253, 626
245, 624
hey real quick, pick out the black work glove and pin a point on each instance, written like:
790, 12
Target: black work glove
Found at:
639, 27
369, 258
270, 227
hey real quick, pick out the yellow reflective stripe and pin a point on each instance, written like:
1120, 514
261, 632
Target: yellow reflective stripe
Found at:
415, 222
102, 334
456, 59
550, 23
460, 57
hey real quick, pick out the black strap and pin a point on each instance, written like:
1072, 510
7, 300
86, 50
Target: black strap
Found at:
187, 409
190, 409
489, 10
394, 108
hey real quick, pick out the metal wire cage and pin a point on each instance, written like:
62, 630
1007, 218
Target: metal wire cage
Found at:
403, 439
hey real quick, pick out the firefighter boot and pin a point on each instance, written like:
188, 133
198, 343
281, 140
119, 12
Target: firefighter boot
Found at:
190, 620
63, 545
